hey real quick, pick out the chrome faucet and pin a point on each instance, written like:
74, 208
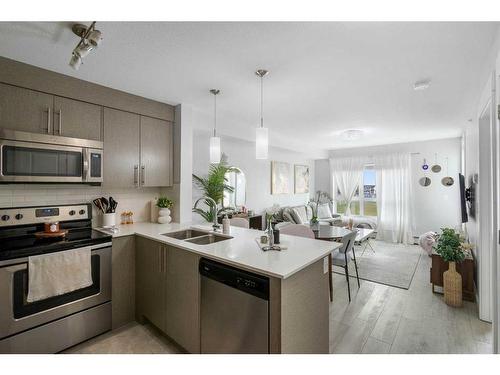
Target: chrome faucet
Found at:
215, 210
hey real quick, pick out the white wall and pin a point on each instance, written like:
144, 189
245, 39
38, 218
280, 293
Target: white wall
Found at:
135, 200
257, 172
435, 206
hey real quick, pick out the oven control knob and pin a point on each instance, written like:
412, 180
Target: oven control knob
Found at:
72, 212
81, 212
5, 217
19, 216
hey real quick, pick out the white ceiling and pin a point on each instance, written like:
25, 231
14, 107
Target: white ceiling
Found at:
324, 77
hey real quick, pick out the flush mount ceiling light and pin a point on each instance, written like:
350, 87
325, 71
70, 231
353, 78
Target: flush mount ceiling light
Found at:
261, 133
214, 140
90, 38
422, 85
352, 134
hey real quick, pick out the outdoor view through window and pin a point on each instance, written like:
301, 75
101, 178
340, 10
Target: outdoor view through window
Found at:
366, 204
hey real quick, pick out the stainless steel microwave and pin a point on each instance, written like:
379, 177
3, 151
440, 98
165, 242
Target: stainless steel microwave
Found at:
43, 158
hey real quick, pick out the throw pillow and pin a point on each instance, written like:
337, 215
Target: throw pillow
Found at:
287, 216
324, 211
299, 214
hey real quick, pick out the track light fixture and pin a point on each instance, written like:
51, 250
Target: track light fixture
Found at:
90, 38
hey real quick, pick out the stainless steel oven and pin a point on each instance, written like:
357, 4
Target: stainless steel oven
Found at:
57, 322
42, 158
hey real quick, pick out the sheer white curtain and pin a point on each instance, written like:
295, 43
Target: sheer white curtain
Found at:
346, 174
394, 198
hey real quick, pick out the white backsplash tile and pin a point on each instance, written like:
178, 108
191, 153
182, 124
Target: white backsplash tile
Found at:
135, 200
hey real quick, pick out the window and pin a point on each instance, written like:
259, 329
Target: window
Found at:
366, 203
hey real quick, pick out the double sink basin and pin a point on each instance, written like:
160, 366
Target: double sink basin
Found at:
197, 237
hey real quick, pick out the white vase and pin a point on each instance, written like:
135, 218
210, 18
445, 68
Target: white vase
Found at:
164, 216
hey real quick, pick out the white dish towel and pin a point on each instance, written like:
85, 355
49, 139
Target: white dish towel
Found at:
58, 273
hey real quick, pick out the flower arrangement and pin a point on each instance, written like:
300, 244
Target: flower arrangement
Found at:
320, 196
164, 202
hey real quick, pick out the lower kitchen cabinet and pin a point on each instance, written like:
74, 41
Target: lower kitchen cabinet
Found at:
183, 298
123, 285
168, 291
151, 288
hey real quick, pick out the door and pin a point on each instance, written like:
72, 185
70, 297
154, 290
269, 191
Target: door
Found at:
25, 110
121, 148
76, 119
183, 298
151, 259
156, 152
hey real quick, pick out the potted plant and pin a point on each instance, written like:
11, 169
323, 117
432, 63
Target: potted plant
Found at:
164, 204
213, 186
450, 247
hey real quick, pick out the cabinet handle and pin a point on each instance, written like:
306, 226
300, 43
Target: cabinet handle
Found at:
136, 177
159, 259
143, 173
49, 119
60, 121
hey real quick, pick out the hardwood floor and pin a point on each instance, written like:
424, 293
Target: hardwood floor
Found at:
384, 319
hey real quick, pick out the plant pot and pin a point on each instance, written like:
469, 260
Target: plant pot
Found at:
164, 216
452, 283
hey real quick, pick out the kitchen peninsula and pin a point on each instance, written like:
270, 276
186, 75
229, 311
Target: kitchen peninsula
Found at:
162, 263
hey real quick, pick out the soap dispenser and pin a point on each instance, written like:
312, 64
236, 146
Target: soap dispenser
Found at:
226, 225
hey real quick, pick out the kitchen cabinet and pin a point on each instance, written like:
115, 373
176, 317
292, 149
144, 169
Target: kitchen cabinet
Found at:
183, 298
76, 119
123, 281
138, 150
156, 152
121, 148
25, 110
151, 282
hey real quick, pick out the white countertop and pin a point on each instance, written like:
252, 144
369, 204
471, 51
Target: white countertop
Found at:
241, 250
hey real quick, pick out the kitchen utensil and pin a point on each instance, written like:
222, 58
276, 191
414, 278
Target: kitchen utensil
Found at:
112, 205
97, 202
105, 204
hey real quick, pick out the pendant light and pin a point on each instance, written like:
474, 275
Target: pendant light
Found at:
214, 140
261, 133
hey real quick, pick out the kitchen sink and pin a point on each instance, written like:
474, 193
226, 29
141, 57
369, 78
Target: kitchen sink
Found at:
208, 239
185, 234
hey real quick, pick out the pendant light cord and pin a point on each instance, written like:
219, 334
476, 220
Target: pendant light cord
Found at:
261, 102
215, 115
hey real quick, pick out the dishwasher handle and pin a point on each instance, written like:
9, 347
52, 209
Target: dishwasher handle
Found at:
244, 281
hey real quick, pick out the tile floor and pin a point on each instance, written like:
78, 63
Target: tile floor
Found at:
380, 319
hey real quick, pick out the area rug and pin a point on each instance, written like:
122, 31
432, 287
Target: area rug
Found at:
391, 264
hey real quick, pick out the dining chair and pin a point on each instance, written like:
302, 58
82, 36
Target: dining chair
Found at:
344, 255
299, 230
239, 222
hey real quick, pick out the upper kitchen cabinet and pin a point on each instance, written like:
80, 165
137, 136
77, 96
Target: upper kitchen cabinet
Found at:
121, 148
156, 152
76, 119
25, 110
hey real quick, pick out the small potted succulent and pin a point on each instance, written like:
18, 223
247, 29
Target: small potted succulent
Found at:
164, 204
451, 248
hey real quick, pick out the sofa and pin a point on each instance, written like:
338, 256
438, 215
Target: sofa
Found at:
303, 214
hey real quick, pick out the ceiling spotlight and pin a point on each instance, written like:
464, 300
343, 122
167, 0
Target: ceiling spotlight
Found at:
90, 38
352, 134
421, 85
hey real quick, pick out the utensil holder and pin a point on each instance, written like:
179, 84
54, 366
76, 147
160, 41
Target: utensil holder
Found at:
108, 220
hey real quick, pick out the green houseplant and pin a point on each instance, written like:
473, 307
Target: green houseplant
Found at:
164, 204
449, 246
213, 186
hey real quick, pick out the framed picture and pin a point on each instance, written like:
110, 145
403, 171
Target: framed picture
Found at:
301, 179
280, 177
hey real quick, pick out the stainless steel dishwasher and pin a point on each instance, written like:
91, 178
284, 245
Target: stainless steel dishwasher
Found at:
234, 310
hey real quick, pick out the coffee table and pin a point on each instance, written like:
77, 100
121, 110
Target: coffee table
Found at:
363, 235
